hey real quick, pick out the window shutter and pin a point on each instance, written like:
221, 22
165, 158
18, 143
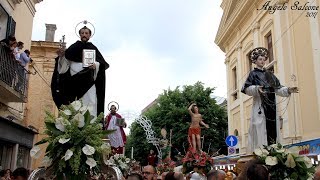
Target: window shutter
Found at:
11, 28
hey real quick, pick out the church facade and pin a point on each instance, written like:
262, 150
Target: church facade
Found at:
290, 30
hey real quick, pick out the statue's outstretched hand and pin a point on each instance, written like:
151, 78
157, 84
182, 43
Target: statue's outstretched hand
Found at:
206, 125
293, 90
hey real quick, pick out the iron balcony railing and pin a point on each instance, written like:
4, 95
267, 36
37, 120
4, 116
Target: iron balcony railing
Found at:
12, 74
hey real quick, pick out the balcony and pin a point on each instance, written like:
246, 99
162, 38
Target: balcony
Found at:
13, 78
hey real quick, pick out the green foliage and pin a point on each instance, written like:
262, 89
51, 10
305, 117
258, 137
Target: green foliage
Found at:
171, 112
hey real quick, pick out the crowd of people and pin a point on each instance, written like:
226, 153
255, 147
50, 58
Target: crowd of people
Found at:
16, 71
18, 174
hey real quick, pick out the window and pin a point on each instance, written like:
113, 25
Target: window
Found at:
3, 23
234, 75
234, 94
270, 47
249, 66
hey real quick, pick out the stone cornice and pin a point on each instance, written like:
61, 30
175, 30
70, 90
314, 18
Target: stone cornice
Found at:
45, 44
235, 18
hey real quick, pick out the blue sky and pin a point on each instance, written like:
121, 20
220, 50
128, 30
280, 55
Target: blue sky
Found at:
151, 45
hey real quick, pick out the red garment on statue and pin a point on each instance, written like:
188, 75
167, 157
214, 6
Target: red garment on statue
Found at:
108, 118
196, 131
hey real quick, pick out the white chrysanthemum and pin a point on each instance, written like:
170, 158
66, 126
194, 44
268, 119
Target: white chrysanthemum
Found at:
63, 140
294, 150
68, 155
93, 120
67, 112
79, 118
271, 161
290, 161
91, 162
35, 152
76, 105
46, 161
61, 124
88, 150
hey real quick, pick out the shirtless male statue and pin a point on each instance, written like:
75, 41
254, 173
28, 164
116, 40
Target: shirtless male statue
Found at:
194, 131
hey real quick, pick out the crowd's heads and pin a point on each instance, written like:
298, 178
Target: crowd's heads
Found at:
257, 171
134, 176
85, 34
216, 175
317, 174
149, 173
172, 176
20, 174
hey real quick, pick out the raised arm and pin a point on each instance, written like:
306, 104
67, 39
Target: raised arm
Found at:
190, 109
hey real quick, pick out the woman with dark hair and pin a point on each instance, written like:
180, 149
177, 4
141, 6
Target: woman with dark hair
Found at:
258, 171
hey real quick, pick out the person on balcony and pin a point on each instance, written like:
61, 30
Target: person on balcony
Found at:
24, 59
17, 50
71, 80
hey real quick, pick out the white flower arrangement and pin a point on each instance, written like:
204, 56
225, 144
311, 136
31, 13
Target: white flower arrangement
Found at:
285, 163
121, 161
75, 147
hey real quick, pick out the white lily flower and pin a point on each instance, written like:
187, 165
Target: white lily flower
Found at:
76, 105
127, 160
79, 118
93, 120
91, 162
35, 152
61, 124
290, 161
281, 150
307, 161
63, 140
88, 150
271, 161
122, 165
110, 161
294, 150
83, 109
261, 152
46, 161
68, 155
67, 112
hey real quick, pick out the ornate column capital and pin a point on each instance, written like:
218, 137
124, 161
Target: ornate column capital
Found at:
255, 26
239, 46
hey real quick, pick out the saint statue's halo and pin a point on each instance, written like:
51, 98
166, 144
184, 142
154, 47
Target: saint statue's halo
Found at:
87, 24
113, 103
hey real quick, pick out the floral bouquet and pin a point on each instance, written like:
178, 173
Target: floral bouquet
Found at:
166, 165
285, 163
121, 161
75, 147
197, 161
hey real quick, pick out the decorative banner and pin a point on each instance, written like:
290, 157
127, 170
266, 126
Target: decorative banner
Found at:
308, 148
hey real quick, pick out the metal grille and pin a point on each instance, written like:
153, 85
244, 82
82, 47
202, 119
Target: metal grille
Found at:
11, 72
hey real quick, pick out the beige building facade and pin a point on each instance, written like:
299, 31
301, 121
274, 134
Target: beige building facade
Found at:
16, 136
292, 35
39, 93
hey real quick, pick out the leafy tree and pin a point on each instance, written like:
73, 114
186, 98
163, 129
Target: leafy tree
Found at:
170, 112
